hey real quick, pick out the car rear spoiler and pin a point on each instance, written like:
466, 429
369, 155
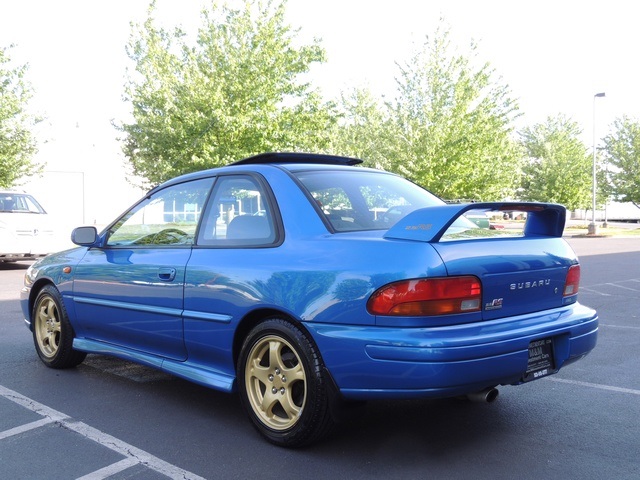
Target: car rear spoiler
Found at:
430, 224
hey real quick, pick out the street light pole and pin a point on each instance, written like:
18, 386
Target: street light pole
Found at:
593, 228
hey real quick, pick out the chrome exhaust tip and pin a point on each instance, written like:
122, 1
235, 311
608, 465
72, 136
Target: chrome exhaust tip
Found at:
487, 395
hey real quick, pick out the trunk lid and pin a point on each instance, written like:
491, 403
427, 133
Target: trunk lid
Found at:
522, 269
518, 276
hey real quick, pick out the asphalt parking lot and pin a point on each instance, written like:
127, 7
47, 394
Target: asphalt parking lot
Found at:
112, 419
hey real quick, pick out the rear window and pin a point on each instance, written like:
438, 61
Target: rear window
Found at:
364, 200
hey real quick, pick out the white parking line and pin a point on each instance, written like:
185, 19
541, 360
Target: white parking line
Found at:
106, 472
595, 288
628, 327
617, 285
596, 385
135, 455
591, 290
25, 428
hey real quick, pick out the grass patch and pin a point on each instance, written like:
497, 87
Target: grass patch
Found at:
631, 231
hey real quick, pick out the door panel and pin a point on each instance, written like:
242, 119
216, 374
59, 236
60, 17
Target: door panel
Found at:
126, 297
130, 291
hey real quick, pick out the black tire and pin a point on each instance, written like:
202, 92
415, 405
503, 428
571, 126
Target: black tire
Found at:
52, 332
282, 384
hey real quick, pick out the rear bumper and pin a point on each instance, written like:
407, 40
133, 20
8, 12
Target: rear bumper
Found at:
377, 362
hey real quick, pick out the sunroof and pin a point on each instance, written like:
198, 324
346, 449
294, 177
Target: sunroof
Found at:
295, 157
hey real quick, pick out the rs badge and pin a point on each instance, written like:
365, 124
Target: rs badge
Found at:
494, 304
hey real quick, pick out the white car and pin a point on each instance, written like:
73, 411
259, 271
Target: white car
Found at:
26, 231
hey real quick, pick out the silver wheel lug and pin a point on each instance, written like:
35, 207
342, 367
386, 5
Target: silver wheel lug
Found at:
271, 378
282, 390
277, 371
274, 390
284, 379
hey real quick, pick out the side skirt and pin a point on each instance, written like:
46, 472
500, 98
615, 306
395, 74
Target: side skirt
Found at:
195, 373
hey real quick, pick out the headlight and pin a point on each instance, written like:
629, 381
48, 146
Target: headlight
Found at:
30, 276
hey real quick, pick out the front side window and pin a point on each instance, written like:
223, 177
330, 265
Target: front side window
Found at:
364, 200
240, 213
168, 217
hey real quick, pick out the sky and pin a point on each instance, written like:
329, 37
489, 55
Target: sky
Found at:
554, 55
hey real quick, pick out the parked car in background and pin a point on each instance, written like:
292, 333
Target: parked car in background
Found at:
304, 282
26, 231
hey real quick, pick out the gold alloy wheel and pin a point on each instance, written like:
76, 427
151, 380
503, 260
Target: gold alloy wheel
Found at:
275, 382
47, 326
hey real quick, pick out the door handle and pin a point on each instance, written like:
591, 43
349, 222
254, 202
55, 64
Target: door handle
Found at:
167, 274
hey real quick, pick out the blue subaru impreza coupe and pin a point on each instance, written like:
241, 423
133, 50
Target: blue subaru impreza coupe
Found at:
305, 282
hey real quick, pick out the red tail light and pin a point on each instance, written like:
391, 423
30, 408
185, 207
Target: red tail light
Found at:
572, 283
427, 296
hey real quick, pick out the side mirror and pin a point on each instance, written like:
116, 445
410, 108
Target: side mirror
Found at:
84, 236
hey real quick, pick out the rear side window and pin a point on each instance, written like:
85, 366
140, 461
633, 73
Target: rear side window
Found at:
364, 200
240, 213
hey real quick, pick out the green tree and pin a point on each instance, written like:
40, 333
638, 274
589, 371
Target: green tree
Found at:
558, 167
452, 124
622, 151
238, 91
363, 129
17, 143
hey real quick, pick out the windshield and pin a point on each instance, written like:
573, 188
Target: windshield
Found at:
19, 203
364, 200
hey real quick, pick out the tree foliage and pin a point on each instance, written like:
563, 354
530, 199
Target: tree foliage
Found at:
238, 91
17, 144
363, 129
558, 168
451, 124
622, 150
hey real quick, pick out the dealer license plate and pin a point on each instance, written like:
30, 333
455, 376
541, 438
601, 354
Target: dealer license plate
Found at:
540, 363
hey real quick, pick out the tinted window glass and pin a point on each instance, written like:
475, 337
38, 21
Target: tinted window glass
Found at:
364, 200
239, 214
19, 203
169, 217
